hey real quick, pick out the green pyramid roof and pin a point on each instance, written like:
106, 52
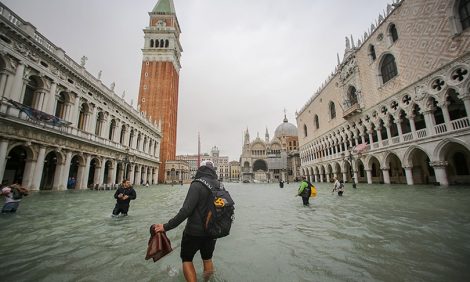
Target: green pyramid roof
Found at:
164, 6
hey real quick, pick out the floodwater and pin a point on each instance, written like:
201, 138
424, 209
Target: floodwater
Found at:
372, 233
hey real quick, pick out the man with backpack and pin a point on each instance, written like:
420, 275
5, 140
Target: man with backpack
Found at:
195, 209
304, 191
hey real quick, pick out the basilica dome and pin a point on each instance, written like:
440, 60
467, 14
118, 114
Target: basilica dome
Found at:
285, 129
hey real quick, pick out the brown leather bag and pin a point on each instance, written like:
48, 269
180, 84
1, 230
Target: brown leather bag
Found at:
158, 246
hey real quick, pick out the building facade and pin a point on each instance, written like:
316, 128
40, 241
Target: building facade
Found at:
234, 168
158, 94
221, 163
395, 110
177, 172
61, 127
271, 160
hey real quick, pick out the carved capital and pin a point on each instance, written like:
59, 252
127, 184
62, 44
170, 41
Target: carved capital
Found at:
439, 164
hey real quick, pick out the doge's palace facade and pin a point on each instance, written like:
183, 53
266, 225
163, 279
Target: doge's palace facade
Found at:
61, 127
396, 108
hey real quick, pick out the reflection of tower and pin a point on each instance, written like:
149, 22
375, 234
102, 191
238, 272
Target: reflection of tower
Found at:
158, 93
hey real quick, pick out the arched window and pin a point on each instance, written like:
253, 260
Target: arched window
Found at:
60, 107
167, 43
123, 134
156, 44
464, 13
332, 110
352, 96
99, 123
131, 138
162, 43
316, 122
82, 117
372, 54
393, 33
151, 43
305, 130
456, 106
388, 68
112, 128
31, 87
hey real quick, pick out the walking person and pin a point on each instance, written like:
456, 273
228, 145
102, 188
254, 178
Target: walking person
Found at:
304, 191
338, 186
194, 238
13, 195
123, 196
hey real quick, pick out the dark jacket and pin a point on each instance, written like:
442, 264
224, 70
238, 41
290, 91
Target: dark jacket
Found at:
126, 191
195, 204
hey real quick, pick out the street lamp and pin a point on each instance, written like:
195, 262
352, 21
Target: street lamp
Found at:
350, 158
128, 159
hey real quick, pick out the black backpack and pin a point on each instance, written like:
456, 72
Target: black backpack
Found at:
219, 214
17, 195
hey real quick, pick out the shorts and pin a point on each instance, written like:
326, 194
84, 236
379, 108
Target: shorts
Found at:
191, 244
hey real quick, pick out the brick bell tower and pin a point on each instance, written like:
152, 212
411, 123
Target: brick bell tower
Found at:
158, 93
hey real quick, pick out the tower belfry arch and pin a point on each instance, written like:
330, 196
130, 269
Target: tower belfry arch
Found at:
159, 82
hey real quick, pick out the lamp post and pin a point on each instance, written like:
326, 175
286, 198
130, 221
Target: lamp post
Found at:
350, 158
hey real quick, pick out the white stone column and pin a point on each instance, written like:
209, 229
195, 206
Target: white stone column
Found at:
400, 134
440, 172
112, 172
131, 173
386, 175
138, 174
66, 171
86, 173
328, 177
3, 81
321, 177
445, 114
345, 176
28, 173
369, 176
75, 112
379, 137
97, 176
466, 102
38, 169
389, 133
429, 121
409, 175
356, 179
144, 174
3, 157
101, 179
17, 87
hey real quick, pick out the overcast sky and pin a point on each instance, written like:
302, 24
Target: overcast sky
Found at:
243, 61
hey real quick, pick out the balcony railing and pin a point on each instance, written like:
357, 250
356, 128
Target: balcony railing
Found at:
352, 110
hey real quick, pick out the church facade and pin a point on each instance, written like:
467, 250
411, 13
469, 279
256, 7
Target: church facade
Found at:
271, 160
60, 126
159, 82
396, 108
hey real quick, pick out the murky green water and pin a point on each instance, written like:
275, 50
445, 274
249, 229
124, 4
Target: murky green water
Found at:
373, 233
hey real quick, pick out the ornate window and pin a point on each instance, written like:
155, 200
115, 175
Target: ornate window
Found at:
60, 108
464, 13
167, 43
151, 43
305, 130
316, 122
332, 110
112, 128
388, 68
372, 54
393, 33
456, 106
157, 43
99, 123
82, 117
31, 87
123, 134
352, 96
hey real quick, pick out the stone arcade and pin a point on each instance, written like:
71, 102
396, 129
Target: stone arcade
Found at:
61, 127
395, 110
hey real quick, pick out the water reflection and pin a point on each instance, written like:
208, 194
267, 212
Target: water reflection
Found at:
373, 233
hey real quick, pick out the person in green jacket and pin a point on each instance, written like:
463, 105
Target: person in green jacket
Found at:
304, 191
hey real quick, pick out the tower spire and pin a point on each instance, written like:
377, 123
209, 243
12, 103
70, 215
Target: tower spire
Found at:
164, 7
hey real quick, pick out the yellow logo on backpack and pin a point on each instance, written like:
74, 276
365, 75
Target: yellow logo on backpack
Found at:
313, 191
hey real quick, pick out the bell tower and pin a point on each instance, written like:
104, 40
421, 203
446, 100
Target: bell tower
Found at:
159, 79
